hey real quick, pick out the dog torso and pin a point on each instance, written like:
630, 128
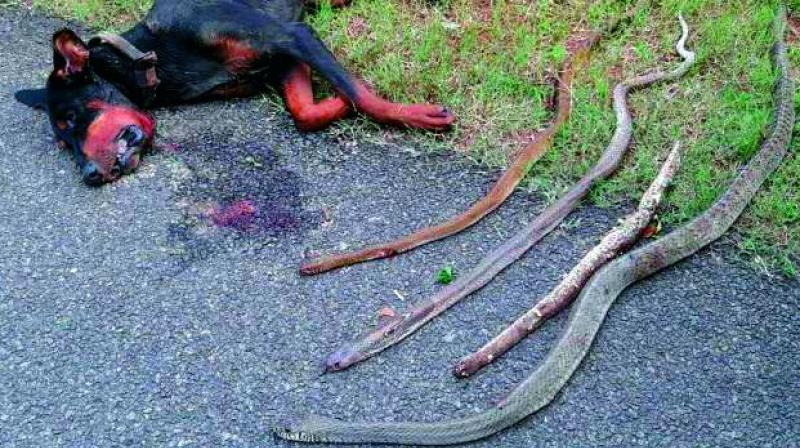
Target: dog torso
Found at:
212, 49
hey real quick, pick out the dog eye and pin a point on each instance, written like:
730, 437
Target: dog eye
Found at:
71, 116
67, 122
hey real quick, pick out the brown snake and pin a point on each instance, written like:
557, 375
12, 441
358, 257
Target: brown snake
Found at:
505, 186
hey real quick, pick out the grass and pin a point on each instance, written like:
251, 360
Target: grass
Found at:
489, 60
112, 14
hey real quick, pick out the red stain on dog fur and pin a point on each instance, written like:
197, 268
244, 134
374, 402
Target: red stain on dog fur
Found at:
238, 55
99, 146
238, 215
75, 55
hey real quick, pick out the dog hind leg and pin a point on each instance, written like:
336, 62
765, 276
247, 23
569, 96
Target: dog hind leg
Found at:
299, 97
306, 46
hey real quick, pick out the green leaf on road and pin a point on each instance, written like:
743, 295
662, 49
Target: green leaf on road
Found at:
445, 276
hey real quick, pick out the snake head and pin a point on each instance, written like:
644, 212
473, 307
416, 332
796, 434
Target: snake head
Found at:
291, 430
392, 327
342, 359
312, 429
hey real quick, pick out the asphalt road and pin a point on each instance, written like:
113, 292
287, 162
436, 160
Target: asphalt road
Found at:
127, 318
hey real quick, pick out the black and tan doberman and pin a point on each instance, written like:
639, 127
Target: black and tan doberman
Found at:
197, 50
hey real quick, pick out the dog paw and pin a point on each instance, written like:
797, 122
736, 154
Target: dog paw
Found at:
426, 116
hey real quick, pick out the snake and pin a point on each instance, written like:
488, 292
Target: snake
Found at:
393, 330
579, 50
592, 305
629, 230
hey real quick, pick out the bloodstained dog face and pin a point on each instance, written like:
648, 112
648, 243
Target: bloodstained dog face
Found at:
102, 128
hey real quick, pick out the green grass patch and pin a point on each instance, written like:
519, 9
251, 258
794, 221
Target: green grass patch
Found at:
107, 14
489, 62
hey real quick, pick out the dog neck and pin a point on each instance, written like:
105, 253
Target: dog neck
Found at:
128, 62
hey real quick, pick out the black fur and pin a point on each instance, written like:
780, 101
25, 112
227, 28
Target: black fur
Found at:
183, 33
195, 42
35, 98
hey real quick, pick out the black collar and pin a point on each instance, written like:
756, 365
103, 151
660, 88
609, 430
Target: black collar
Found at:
144, 64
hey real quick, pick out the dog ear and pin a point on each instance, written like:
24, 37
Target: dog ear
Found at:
70, 54
35, 98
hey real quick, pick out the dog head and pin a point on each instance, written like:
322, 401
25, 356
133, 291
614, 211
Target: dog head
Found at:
98, 123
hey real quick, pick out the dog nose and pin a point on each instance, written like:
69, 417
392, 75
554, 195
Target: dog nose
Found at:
91, 174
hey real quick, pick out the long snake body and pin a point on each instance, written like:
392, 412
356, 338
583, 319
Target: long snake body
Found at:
591, 307
505, 186
398, 328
